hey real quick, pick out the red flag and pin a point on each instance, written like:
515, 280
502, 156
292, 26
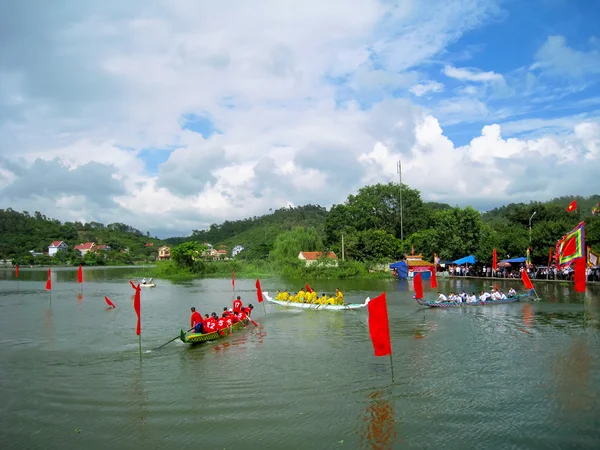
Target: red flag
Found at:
109, 303
526, 281
379, 327
137, 306
550, 258
49, 273
80, 274
49, 281
579, 275
418, 284
307, 287
433, 278
572, 206
233, 280
495, 260
17, 270
259, 293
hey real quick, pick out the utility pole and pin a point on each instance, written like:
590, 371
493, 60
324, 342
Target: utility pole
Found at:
342, 247
399, 169
530, 227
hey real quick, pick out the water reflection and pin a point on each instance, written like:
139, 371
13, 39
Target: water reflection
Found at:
376, 427
48, 325
79, 297
138, 397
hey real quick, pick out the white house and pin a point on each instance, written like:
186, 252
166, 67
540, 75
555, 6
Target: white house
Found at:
236, 250
56, 246
313, 258
84, 248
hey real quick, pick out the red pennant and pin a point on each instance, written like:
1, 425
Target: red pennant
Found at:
418, 284
579, 275
137, 306
259, 293
17, 270
48, 284
433, 278
495, 260
233, 280
80, 275
109, 303
308, 289
526, 281
572, 206
550, 258
379, 327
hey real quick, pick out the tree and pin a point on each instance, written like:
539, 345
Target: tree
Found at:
372, 245
186, 253
289, 244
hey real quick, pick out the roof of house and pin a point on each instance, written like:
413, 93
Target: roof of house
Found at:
102, 247
56, 243
149, 244
86, 246
222, 252
164, 247
416, 260
313, 256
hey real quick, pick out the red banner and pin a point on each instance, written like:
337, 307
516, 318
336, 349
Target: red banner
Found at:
379, 327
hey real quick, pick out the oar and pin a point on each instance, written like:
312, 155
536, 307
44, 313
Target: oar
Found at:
172, 339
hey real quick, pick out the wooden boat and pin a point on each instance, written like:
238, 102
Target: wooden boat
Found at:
148, 285
346, 307
434, 304
196, 338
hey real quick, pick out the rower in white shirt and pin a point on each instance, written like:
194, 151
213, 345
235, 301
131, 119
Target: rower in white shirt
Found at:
441, 298
512, 292
483, 296
502, 295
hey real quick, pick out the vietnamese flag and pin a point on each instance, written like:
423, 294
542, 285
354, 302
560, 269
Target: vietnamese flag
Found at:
526, 281
233, 280
259, 293
80, 274
17, 270
572, 206
137, 306
308, 289
379, 327
579, 275
49, 281
109, 303
433, 278
495, 261
418, 284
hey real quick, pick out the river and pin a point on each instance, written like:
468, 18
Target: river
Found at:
523, 375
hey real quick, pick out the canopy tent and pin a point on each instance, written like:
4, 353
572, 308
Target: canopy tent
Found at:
402, 269
466, 260
520, 259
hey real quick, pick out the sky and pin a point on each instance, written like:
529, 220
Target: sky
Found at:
171, 115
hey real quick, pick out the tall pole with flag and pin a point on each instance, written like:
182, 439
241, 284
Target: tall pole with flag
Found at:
379, 329
399, 168
137, 306
49, 285
17, 275
259, 295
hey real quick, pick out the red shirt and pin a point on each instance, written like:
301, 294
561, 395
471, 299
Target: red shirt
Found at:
221, 323
196, 318
210, 325
237, 305
229, 321
241, 315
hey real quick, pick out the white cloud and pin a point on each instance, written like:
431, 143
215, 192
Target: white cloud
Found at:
557, 57
302, 98
423, 88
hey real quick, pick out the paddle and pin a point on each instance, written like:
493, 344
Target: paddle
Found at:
172, 339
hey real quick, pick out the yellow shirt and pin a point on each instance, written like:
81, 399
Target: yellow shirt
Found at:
301, 293
285, 296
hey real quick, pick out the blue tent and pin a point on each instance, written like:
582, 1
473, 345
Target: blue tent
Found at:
402, 269
521, 259
466, 260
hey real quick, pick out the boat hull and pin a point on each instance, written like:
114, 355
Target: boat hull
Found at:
433, 304
298, 305
148, 285
197, 338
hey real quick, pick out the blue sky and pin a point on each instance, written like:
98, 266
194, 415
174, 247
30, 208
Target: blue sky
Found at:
179, 115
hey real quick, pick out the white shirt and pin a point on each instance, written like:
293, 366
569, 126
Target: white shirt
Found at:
442, 298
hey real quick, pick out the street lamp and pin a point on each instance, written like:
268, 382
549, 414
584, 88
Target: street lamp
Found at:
530, 226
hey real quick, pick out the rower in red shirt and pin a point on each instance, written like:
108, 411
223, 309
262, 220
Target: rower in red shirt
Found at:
196, 321
222, 323
237, 305
248, 309
241, 316
209, 324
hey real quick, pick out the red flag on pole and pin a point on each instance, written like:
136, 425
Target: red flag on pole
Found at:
307, 287
572, 206
526, 281
379, 327
49, 272
433, 278
233, 280
49, 280
579, 274
550, 258
109, 303
80, 274
17, 270
259, 293
137, 306
418, 284
495, 260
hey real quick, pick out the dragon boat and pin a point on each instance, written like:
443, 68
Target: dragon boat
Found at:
434, 304
345, 307
196, 338
147, 285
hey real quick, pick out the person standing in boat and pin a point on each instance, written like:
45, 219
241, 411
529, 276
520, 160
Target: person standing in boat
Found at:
237, 305
196, 321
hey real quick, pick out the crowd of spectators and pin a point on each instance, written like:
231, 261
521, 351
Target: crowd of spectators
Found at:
514, 271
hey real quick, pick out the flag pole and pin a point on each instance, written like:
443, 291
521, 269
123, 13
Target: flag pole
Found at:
140, 345
392, 366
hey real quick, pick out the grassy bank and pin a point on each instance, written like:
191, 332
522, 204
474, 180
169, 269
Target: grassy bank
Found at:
261, 269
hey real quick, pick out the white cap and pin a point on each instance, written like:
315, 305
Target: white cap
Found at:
230, 310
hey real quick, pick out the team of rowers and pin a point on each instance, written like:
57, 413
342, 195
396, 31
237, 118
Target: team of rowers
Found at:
483, 296
214, 322
310, 296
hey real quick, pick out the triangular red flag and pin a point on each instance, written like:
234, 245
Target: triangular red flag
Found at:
433, 278
137, 306
259, 293
379, 327
308, 289
526, 281
418, 284
109, 303
49, 280
80, 274
495, 260
17, 270
579, 276
233, 280
572, 206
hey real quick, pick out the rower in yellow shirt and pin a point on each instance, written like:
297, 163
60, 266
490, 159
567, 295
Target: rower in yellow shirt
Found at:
339, 297
301, 295
313, 297
285, 296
